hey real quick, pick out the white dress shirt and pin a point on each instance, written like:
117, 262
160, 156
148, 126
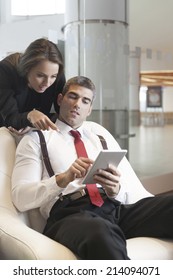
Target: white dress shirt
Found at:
33, 188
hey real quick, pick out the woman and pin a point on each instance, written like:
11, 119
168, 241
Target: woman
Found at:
29, 86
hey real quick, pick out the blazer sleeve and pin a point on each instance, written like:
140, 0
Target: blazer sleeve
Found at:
9, 110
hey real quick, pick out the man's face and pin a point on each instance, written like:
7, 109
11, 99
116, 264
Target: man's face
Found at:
75, 105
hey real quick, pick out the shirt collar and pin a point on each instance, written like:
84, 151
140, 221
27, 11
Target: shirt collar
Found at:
65, 128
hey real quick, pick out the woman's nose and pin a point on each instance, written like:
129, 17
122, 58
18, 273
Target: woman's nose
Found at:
47, 81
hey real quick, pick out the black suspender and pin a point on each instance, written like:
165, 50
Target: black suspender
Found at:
103, 142
45, 151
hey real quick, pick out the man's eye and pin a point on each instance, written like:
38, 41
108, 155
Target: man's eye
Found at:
86, 101
72, 96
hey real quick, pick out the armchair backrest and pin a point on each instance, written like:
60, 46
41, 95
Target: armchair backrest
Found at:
8, 148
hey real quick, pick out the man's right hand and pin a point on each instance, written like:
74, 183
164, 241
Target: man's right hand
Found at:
77, 170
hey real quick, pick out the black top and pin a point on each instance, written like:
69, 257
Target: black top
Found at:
17, 99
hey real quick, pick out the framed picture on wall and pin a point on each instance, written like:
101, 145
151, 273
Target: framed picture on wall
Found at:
154, 96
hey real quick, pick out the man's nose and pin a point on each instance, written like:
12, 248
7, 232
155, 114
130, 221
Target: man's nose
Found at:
78, 103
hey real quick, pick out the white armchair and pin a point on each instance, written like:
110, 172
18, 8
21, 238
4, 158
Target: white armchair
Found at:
20, 233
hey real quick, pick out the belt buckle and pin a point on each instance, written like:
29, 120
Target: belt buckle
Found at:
73, 196
77, 195
82, 192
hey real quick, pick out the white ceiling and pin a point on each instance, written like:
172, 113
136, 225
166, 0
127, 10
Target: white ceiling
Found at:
151, 24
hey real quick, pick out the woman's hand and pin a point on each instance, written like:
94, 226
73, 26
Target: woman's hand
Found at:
40, 120
77, 170
19, 132
109, 179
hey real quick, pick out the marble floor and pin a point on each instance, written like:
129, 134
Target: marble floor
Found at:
151, 150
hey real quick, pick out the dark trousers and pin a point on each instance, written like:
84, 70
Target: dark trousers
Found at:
95, 233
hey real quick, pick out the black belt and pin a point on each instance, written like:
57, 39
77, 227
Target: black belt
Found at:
78, 194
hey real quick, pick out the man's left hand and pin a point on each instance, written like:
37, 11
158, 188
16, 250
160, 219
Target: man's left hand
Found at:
109, 179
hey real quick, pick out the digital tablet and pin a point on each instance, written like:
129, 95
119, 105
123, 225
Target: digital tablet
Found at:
104, 158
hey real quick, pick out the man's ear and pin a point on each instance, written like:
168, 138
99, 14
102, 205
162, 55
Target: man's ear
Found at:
59, 98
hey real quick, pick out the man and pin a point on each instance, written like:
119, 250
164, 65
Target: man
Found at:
90, 231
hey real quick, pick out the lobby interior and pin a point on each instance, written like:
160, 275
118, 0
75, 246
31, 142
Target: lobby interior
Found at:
150, 128
150, 148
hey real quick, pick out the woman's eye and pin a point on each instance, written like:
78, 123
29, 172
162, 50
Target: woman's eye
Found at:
40, 75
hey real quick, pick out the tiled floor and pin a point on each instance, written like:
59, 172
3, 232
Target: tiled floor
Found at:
151, 150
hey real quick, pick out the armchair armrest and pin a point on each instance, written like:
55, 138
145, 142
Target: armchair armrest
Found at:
159, 184
18, 241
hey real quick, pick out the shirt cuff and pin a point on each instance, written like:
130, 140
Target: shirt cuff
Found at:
52, 184
115, 194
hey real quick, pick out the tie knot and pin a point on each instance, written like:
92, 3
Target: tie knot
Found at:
75, 134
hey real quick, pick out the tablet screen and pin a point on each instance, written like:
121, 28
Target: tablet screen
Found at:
104, 158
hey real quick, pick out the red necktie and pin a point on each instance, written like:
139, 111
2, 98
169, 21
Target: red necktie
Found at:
93, 191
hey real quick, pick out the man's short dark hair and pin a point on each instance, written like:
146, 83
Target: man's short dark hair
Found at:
80, 81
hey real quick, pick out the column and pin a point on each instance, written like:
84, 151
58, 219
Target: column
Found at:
5, 13
134, 88
96, 46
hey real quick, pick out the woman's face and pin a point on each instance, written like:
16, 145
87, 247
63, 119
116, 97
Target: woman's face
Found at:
43, 75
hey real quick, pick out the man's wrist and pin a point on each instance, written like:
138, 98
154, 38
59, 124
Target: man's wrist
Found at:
62, 180
115, 193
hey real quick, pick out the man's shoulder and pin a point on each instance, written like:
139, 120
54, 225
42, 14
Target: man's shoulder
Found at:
40, 134
29, 136
34, 138
33, 134
91, 125
94, 127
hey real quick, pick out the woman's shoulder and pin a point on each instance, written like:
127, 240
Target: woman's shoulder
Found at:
10, 62
8, 69
12, 59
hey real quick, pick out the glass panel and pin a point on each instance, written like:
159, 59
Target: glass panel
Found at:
98, 50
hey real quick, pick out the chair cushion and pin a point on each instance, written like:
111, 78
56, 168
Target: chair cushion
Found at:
147, 248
